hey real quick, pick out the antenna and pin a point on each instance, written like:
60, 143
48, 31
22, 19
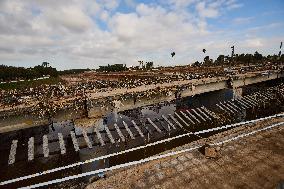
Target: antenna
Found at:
280, 50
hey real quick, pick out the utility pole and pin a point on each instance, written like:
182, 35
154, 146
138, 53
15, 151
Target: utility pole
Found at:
232, 56
279, 55
280, 50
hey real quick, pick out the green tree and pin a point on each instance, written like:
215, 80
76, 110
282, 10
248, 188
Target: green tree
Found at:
149, 65
220, 60
45, 64
282, 58
208, 61
258, 57
196, 64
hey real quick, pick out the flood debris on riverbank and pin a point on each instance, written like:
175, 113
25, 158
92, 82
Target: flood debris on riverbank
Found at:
115, 137
152, 129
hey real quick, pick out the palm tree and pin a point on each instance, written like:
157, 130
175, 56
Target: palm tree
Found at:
141, 63
45, 64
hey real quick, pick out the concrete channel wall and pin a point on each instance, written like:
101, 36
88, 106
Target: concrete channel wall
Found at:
100, 107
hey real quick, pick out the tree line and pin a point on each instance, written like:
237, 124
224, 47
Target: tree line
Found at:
112, 68
238, 59
123, 67
11, 73
73, 71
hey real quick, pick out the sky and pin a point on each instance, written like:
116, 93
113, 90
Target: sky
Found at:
89, 33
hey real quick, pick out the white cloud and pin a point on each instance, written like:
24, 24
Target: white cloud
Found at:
243, 20
233, 4
130, 3
206, 11
93, 8
253, 43
110, 4
68, 34
270, 26
68, 17
181, 3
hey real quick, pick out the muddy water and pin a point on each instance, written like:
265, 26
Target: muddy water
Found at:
23, 167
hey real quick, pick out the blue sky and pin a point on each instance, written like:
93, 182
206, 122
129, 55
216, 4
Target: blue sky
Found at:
89, 33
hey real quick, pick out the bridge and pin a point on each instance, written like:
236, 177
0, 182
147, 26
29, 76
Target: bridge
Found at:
192, 124
96, 105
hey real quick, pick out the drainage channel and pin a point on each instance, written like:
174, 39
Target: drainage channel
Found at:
126, 134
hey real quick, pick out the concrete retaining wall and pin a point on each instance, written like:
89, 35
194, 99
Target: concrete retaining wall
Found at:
100, 107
